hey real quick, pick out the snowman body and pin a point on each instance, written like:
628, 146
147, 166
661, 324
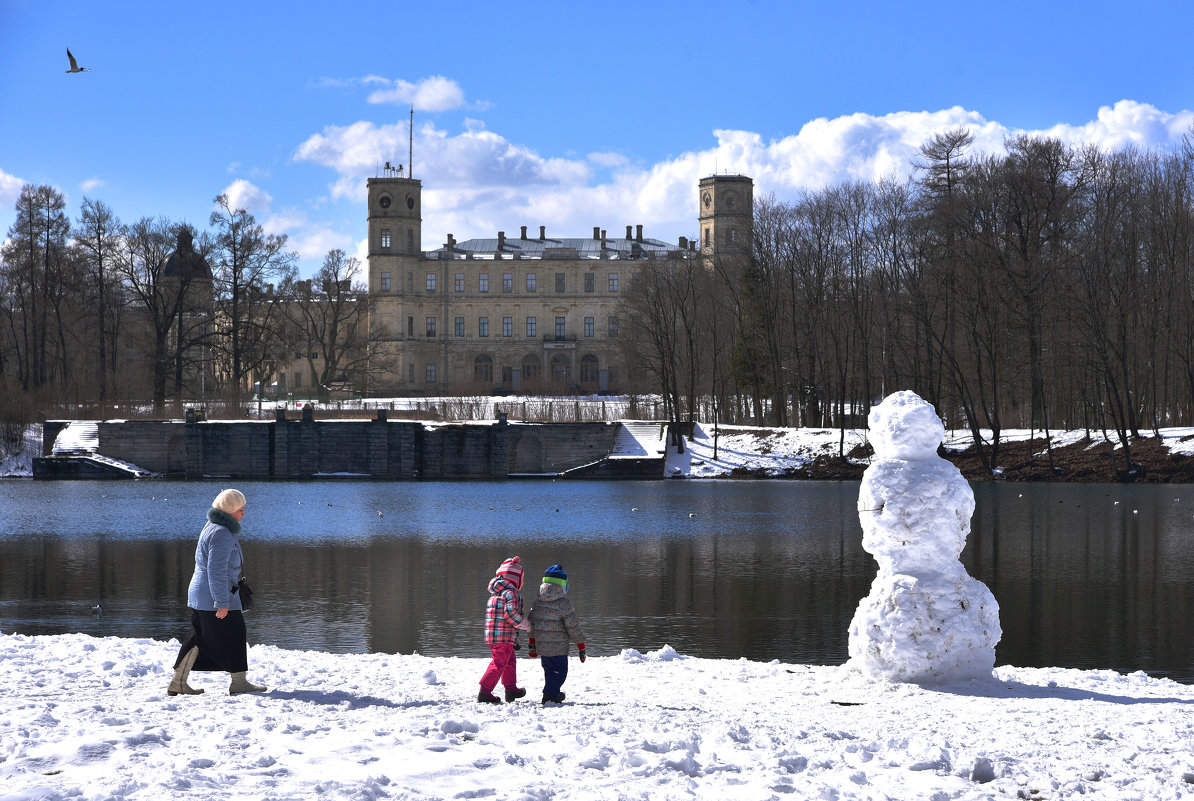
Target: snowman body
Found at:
925, 620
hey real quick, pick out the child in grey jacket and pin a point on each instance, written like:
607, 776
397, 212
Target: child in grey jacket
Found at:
553, 626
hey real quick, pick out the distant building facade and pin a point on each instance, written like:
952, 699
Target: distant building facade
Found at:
525, 313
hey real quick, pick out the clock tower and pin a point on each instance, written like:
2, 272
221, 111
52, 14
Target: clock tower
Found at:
395, 229
726, 209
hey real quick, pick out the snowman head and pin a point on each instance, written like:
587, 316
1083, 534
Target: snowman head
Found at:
904, 426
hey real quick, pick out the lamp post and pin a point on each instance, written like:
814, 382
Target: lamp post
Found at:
257, 390
275, 385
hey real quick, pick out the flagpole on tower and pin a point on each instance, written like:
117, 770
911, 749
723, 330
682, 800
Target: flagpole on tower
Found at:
410, 156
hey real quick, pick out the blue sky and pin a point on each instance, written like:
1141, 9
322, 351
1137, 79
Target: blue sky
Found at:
557, 114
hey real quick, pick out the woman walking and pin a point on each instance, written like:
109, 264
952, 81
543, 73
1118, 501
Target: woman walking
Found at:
218, 638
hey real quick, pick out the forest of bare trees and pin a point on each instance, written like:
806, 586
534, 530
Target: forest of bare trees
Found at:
1046, 287
96, 314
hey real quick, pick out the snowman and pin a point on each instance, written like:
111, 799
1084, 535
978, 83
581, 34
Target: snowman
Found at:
926, 620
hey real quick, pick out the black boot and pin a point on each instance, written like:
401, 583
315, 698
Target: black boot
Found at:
515, 694
553, 698
488, 698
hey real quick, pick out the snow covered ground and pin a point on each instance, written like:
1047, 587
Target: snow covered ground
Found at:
86, 718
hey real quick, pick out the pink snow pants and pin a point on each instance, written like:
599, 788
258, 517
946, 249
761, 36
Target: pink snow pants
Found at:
502, 666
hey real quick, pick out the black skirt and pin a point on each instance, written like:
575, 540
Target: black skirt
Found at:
223, 644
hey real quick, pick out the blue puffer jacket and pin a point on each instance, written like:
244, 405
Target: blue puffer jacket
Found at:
218, 564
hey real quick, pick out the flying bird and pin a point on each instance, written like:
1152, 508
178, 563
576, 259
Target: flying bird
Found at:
74, 65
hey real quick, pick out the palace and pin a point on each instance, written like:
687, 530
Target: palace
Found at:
517, 314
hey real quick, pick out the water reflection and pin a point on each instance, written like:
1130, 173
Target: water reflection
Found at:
1086, 575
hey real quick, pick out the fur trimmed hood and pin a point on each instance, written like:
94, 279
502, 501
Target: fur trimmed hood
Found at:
221, 518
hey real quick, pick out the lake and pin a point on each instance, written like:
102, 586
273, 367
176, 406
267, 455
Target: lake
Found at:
1086, 575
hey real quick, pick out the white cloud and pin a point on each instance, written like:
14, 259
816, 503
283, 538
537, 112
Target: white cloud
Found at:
433, 94
610, 160
248, 196
10, 189
91, 184
476, 182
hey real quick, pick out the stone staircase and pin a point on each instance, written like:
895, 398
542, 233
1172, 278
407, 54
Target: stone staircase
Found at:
638, 452
75, 455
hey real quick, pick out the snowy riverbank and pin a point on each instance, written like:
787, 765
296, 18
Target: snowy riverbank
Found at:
754, 452
85, 718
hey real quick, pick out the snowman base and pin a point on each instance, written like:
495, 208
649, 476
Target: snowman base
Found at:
925, 629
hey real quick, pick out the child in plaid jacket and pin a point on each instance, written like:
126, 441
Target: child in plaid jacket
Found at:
503, 621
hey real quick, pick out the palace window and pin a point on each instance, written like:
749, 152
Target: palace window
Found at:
531, 327
507, 326
431, 374
531, 280
430, 282
410, 239
410, 326
482, 326
560, 369
530, 367
459, 326
298, 379
559, 282
507, 282
385, 237
410, 373
613, 325
459, 282
613, 282
385, 282
590, 326
483, 369
560, 327
589, 365
590, 281
430, 326
483, 282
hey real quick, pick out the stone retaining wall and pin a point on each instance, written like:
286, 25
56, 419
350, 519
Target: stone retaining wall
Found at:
360, 448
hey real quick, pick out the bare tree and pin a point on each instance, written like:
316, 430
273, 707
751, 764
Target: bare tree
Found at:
98, 236
329, 315
248, 264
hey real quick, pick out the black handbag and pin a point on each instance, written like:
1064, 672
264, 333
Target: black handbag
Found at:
246, 594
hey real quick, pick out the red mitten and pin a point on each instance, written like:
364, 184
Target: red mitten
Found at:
531, 646
580, 646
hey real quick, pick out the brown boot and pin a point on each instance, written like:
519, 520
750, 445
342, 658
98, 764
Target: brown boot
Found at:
241, 685
178, 684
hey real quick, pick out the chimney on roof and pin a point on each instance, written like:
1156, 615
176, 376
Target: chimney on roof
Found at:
603, 239
542, 232
451, 243
628, 232
638, 233
501, 241
524, 233
683, 243
596, 232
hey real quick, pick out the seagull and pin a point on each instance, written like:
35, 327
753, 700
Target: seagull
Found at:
74, 65
98, 609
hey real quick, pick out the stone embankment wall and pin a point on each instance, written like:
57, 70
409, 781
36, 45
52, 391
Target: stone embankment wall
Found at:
377, 448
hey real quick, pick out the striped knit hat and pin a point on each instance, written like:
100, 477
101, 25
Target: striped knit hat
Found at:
512, 569
556, 575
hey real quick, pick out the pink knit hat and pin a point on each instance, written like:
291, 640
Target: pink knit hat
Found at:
512, 569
